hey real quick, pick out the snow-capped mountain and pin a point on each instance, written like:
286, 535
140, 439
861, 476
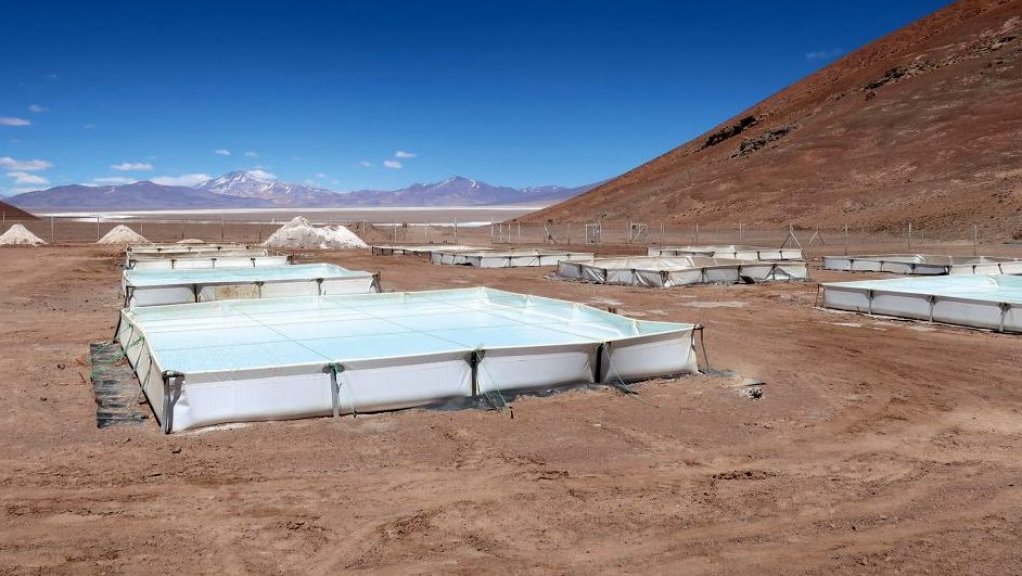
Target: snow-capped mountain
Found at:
257, 184
256, 189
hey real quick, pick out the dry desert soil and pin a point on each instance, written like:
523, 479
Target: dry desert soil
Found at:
879, 446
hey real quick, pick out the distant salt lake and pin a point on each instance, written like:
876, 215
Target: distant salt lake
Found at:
436, 215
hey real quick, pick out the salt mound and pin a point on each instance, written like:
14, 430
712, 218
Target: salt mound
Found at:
18, 235
299, 233
121, 234
191, 241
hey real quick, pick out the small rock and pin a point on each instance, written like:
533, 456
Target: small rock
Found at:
175, 449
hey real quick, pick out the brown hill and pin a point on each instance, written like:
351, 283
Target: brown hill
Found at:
14, 213
923, 126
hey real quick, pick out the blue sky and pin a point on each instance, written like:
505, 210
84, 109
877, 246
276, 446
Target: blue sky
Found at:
354, 95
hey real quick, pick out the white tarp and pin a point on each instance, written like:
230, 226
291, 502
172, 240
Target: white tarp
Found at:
924, 264
280, 358
196, 262
162, 287
659, 272
422, 250
731, 251
506, 258
979, 301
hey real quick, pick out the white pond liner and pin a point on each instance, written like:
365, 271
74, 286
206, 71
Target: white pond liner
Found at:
178, 249
923, 264
283, 358
731, 251
422, 250
506, 258
201, 261
657, 272
163, 287
980, 301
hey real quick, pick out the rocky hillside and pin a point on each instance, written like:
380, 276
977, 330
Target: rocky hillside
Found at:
922, 126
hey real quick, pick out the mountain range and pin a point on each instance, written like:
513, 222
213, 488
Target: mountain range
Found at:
922, 126
242, 189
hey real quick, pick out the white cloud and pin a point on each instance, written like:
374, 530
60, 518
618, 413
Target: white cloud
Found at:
113, 180
88, 126
262, 174
132, 166
12, 121
222, 152
36, 108
182, 180
23, 189
251, 154
823, 54
320, 175
365, 163
403, 154
27, 178
392, 164
9, 163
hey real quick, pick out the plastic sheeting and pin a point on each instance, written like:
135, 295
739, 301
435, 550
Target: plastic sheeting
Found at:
162, 287
506, 259
922, 264
657, 272
279, 358
980, 301
177, 249
423, 250
731, 251
201, 261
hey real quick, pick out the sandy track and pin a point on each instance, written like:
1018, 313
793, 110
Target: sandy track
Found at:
879, 446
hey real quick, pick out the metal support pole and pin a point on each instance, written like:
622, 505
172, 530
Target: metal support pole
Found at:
455, 230
740, 234
51, 230
846, 239
910, 236
661, 233
975, 238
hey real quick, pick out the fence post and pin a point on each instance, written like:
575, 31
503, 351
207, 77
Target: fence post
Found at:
975, 238
846, 239
455, 230
740, 232
661, 232
519, 231
97, 229
910, 236
140, 227
697, 234
51, 230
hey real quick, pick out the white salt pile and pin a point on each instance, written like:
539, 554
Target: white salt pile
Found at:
18, 235
121, 234
299, 233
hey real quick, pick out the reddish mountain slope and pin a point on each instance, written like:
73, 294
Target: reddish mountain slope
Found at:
923, 126
12, 213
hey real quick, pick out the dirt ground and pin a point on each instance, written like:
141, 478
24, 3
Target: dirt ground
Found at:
879, 446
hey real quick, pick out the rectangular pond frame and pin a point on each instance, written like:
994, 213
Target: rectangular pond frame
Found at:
658, 272
924, 264
990, 301
164, 287
506, 258
283, 358
422, 250
730, 251
255, 259
177, 249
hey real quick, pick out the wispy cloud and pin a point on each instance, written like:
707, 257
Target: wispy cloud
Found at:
132, 166
320, 175
262, 174
36, 108
251, 154
51, 76
27, 178
392, 164
182, 180
403, 154
14, 121
113, 180
222, 152
824, 54
365, 163
9, 163
89, 126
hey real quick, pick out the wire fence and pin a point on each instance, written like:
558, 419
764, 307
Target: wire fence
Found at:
72, 230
